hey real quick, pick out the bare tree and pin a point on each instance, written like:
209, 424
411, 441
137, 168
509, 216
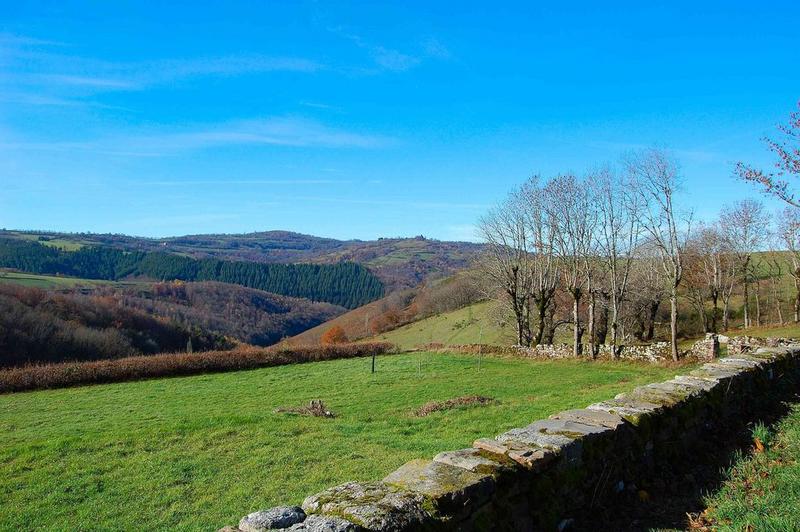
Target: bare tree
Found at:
618, 236
572, 213
709, 274
654, 178
507, 261
789, 233
647, 291
540, 232
787, 152
745, 226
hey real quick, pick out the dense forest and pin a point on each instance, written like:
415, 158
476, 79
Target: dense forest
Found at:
345, 284
38, 326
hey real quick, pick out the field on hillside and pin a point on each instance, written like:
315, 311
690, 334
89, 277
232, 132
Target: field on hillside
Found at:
199, 452
470, 325
55, 282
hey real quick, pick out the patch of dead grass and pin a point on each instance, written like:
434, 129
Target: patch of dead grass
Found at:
437, 406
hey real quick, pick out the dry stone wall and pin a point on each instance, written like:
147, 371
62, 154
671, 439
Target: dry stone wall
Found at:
547, 474
655, 352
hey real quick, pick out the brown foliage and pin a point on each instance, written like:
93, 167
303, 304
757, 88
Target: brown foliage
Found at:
177, 364
315, 408
38, 326
334, 335
467, 400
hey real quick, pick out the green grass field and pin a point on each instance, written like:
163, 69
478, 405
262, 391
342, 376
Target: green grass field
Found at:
477, 323
762, 491
199, 452
468, 325
53, 282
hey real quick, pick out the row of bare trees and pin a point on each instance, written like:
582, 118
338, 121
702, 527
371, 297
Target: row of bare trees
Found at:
613, 245
585, 236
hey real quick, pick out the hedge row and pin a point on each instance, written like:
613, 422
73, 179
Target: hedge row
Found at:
68, 374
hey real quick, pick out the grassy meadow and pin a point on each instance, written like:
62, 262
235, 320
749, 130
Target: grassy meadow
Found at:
199, 452
53, 282
762, 491
469, 325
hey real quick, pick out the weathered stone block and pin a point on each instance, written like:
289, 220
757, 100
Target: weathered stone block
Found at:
530, 457
318, 523
280, 517
446, 487
472, 460
371, 505
696, 382
633, 411
597, 418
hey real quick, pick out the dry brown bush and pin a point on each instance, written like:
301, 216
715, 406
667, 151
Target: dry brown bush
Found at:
467, 400
175, 364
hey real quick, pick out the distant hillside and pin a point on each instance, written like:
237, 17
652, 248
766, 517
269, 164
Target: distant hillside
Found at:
398, 262
477, 323
248, 315
345, 283
401, 307
39, 326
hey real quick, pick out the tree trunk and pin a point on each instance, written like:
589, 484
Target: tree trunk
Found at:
550, 329
576, 320
541, 318
614, 325
601, 329
651, 326
590, 321
714, 310
758, 304
797, 300
746, 297
726, 314
673, 322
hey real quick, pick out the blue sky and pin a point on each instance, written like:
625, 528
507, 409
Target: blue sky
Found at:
359, 119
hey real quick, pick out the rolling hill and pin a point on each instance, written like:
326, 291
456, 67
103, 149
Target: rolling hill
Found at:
401, 307
398, 262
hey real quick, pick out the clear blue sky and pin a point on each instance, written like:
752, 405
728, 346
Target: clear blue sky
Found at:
359, 120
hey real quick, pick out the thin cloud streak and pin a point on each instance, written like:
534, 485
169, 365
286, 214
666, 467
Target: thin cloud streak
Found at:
285, 132
216, 182
397, 203
25, 63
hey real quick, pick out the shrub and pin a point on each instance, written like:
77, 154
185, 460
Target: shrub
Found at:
175, 364
334, 335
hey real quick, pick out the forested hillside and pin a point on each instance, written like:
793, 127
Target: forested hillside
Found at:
401, 307
398, 262
246, 314
38, 326
345, 284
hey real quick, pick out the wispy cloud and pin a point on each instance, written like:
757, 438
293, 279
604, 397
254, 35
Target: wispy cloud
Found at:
86, 81
697, 155
435, 49
289, 132
11, 39
392, 59
217, 182
31, 62
435, 205
318, 105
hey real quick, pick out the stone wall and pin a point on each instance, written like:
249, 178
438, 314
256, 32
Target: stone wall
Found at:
738, 345
707, 348
655, 352
556, 471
